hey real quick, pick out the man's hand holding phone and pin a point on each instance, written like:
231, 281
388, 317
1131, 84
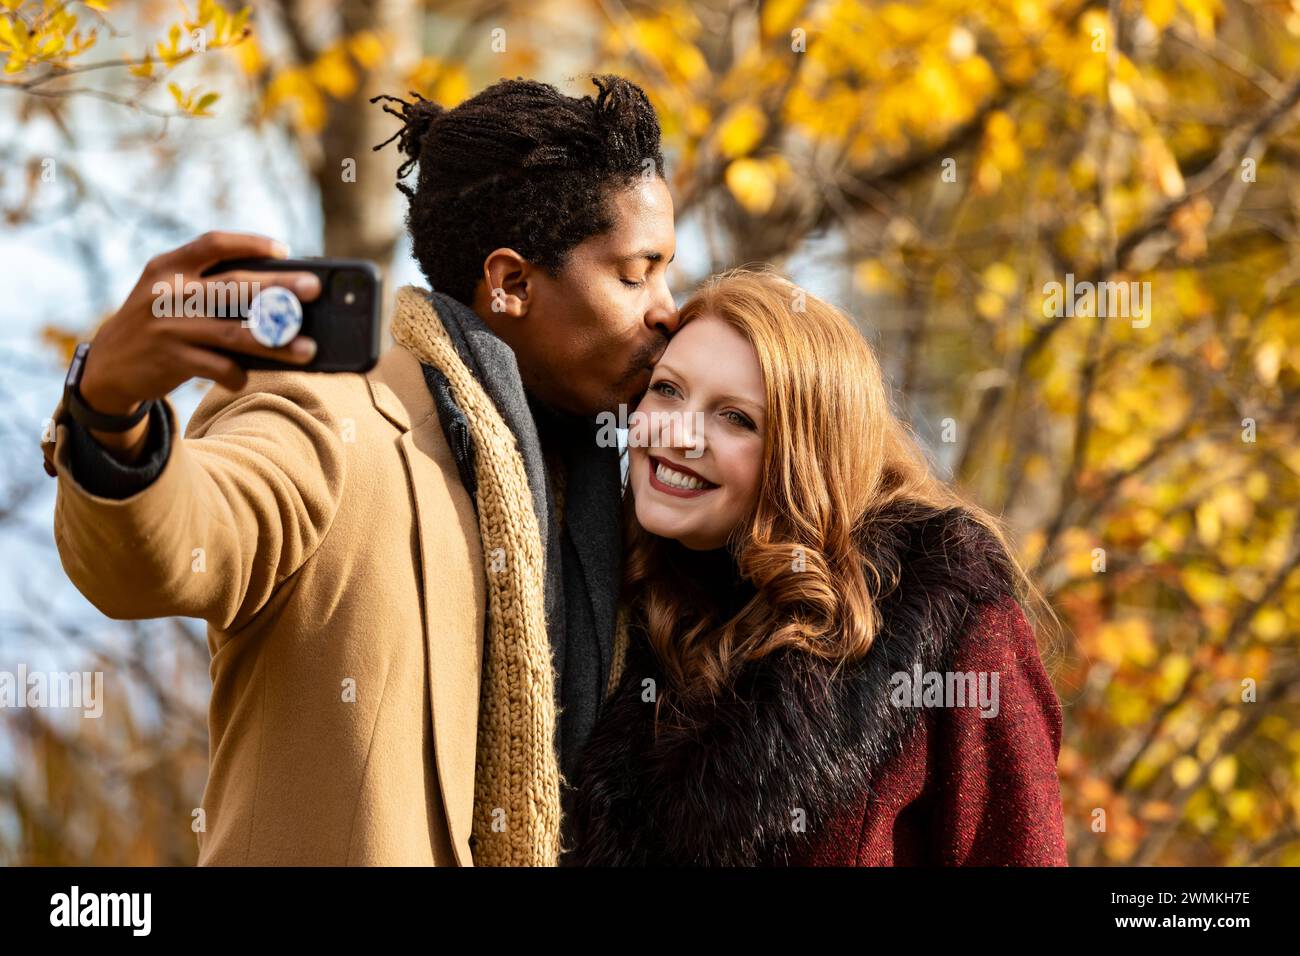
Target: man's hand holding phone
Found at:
138, 355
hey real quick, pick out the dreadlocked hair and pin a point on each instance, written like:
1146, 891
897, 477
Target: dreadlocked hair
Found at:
520, 165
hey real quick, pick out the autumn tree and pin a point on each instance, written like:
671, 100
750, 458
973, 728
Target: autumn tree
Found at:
1069, 228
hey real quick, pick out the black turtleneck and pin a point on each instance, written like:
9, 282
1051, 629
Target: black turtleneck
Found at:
715, 573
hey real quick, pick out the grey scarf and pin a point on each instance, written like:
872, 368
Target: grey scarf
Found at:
583, 557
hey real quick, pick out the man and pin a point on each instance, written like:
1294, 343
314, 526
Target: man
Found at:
409, 576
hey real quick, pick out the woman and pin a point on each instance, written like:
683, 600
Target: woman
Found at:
827, 661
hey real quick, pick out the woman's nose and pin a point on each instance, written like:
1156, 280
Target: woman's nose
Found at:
690, 435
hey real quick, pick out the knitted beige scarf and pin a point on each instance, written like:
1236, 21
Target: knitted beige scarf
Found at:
517, 771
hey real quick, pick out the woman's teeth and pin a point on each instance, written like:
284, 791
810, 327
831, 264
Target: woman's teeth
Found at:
675, 479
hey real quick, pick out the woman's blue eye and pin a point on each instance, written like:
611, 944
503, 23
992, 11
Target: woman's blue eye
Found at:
741, 420
660, 386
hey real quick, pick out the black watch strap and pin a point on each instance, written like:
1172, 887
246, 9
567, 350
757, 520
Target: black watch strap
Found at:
83, 413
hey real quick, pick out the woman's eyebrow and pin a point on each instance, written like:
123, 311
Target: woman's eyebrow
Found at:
741, 400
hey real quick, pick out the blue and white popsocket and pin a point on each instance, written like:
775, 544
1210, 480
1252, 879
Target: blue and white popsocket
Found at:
275, 316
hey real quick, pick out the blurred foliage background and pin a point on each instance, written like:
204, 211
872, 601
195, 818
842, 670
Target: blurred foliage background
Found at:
931, 166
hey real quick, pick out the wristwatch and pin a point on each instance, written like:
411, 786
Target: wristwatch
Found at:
83, 413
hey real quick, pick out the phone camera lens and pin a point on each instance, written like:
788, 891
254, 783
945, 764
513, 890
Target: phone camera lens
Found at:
349, 288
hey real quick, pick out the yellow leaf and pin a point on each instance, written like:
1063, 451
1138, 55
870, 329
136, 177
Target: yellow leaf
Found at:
1184, 771
681, 59
249, 55
1234, 507
144, 69
1173, 671
1291, 458
206, 100
1001, 278
778, 16
1127, 640
1224, 773
236, 27
874, 276
1241, 806
367, 49
1083, 172
1125, 706
1202, 12
1157, 154
1000, 125
902, 18
1268, 361
334, 74
1204, 587
7, 36
741, 131
1089, 75
1269, 623
752, 183
1208, 526
293, 87
1257, 485
989, 304
64, 341
1160, 12
1158, 810
452, 86
1123, 102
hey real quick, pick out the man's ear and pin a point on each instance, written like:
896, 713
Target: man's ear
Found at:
507, 284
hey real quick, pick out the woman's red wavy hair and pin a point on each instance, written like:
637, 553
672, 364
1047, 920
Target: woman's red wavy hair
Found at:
835, 456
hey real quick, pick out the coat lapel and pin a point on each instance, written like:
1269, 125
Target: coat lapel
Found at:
448, 539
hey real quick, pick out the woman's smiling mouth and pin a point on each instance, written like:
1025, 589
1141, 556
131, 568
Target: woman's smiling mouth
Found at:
676, 480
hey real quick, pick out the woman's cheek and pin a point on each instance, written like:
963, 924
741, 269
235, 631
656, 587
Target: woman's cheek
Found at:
749, 471
638, 430
635, 458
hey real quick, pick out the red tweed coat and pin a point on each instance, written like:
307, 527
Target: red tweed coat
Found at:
967, 790
801, 766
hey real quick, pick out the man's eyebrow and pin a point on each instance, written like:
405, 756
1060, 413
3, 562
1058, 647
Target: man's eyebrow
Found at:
653, 255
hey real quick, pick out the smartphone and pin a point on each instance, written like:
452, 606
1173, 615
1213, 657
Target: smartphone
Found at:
344, 319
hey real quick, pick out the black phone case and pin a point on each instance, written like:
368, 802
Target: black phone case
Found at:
347, 338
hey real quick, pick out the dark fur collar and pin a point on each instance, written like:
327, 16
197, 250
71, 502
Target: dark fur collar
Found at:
725, 791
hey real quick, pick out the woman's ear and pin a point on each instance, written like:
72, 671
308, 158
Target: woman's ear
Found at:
506, 285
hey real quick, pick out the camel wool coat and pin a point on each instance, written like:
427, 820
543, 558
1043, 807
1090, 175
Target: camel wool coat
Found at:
319, 525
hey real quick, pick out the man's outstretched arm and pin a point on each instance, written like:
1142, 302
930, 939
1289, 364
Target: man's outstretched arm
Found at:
237, 507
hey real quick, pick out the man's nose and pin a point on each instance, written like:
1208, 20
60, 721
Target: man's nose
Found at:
663, 316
